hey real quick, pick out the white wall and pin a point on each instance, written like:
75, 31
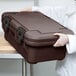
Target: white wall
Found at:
56, 3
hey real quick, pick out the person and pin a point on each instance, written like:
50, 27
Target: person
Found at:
67, 18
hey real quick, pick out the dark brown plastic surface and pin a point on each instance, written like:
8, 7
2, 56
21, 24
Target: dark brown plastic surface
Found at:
31, 33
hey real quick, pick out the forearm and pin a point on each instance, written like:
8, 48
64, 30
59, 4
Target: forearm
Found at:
27, 9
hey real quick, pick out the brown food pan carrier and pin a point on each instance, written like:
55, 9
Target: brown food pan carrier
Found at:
31, 34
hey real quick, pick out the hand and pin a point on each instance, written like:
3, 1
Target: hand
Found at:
26, 10
63, 40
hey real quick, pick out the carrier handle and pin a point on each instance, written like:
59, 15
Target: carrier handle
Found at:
6, 22
20, 35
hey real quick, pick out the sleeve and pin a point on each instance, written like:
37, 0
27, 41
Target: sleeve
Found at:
71, 46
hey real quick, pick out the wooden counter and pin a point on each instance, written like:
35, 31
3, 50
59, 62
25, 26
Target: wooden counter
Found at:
5, 47
7, 51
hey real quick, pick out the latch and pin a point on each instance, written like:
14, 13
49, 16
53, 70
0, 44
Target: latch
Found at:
20, 35
6, 23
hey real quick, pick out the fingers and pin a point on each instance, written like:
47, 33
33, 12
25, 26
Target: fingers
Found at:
26, 10
58, 43
63, 40
57, 34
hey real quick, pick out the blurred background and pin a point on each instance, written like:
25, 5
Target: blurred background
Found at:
13, 67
